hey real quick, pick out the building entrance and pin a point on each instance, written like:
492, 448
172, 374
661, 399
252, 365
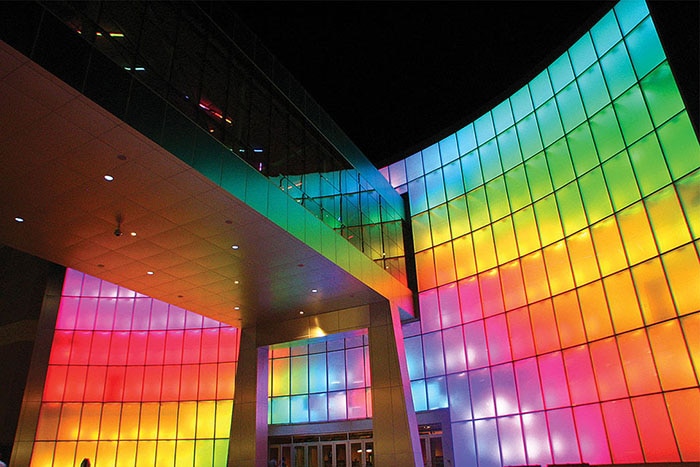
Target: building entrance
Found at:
327, 453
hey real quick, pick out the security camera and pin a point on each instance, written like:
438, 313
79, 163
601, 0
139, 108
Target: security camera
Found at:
117, 232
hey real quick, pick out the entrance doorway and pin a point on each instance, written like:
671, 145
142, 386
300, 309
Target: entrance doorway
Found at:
352, 450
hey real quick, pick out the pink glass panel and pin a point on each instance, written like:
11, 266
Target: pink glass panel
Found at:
554, 387
475, 343
528, 380
579, 373
622, 431
608, 369
591, 434
521, 342
470, 298
563, 436
510, 436
544, 327
497, 338
684, 407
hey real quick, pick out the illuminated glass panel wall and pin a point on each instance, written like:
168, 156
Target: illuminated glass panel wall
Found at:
556, 244
321, 381
134, 381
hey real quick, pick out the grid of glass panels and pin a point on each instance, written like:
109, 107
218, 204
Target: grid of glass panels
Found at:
556, 243
321, 381
134, 381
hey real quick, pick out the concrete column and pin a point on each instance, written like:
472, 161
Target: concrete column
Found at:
396, 440
248, 440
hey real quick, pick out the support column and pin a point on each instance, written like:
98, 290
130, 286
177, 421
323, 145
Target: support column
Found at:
248, 440
396, 440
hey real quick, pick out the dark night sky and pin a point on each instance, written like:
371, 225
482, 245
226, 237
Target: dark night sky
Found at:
394, 75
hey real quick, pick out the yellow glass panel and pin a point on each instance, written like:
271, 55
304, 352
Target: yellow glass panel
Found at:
109, 425
535, 277
65, 454
106, 453
86, 450
667, 219
184, 454
556, 257
608, 245
129, 425
206, 419
126, 453
167, 425
223, 418
622, 299
204, 453
70, 422
671, 356
186, 420
594, 309
165, 456
691, 329
636, 233
42, 454
48, 421
444, 264
465, 262
506, 245
683, 272
484, 249
583, 258
146, 454
526, 230
90, 421
569, 321
653, 293
548, 220
148, 427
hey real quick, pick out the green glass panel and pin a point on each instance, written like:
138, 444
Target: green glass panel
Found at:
483, 127
582, 54
439, 224
594, 92
529, 136
661, 94
526, 230
518, 190
478, 208
570, 107
466, 139
490, 160
621, 181
606, 33
521, 103
509, 149
573, 217
448, 149
649, 165
617, 70
538, 176
541, 89
645, 48
548, 220
502, 116
629, 13
559, 161
688, 189
583, 151
633, 115
497, 198
606, 133
595, 195
680, 146
452, 173
471, 171
459, 218
549, 122
561, 73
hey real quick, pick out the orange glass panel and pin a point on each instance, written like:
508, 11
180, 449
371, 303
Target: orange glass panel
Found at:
691, 329
106, 453
512, 285
225, 383
444, 264
556, 257
126, 453
583, 257
42, 454
683, 408
640, 371
667, 219
654, 427
484, 249
636, 233
425, 270
65, 453
146, 454
544, 327
90, 421
535, 277
608, 369
167, 420
465, 261
109, 424
653, 293
187, 420
148, 425
48, 421
683, 272
608, 245
569, 321
622, 298
70, 421
671, 356
129, 423
594, 309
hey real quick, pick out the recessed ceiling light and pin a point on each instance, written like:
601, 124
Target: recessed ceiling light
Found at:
314, 290
19, 219
150, 273
235, 247
109, 178
235, 282
301, 312
133, 234
236, 308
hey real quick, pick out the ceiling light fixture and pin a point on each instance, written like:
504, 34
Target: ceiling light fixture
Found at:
108, 177
314, 290
236, 282
133, 234
150, 273
236, 308
234, 247
19, 219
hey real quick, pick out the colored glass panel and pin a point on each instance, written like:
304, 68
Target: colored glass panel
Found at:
554, 387
528, 381
538, 176
683, 273
680, 146
560, 165
518, 191
459, 218
595, 195
654, 428
544, 327
537, 441
521, 341
608, 369
594, 309
512, 285
497, 198
582, 147
652, 290
671, 356
548, 221
569, 321
465, 261
591, 434
610, 252
509, 148
526, 227
622, 299
636, 234
504, 236
579, 374
683, 407
561, 430
622, 432
667, 220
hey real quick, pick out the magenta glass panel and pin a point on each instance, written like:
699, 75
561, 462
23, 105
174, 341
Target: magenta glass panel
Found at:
482, 394
475, 343
504, 391
521, 342
536, 438
72, 283
488, 446
608, 369
491, 297
470, 298
86, 313
105, 313
141, 314
554, 387
192, 346
357, 406
459, 396
498, 340
91, 286
579, 374
654, 427
622, 431
429, 310
528, 379
510, 434
592, 439
123, 315
67, 313
455, 357
563, 436
210, 345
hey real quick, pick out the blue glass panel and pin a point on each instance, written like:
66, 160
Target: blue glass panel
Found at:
452, 174
529, 135
420, 398
549, 122
570, 107
466, 139
489, 445
436, 188
561, 73
482, 394
318, 407
280, 410
465, 450
502, 116
337, 405
582, 54
437, 393
448, 149
300, 409
414, 357
509, 149
336, 370
490, 160
355, 367
594, 92
433, 354
471, 171
617, 70
414, 166
431, 158
459, 396
521, 103
630, 13
483, 127
606, 33
417, 196
541, 89
317, 373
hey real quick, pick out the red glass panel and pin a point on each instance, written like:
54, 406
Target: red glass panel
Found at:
171, 383
155, 348
655, 431
684, 407
173, 347
152, 377
192, 346
95, 383
114, 383
622, 432
99, 352
133, 383
75, 383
